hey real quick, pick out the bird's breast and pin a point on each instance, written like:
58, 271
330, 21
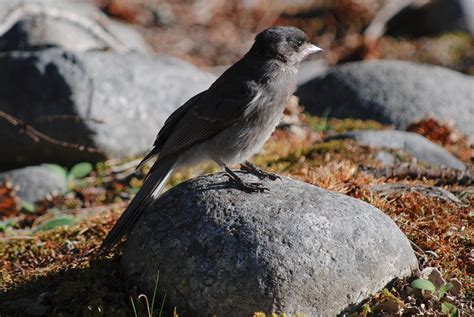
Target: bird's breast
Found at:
247, 136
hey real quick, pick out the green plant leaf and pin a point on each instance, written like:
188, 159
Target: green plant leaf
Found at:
53, 210
444, 288
4, 224
80, 170
28, 206
423, 285
57, 169
76, 183
366, 309
450, 309
56, 222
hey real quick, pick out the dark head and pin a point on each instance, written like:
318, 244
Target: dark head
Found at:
285, 43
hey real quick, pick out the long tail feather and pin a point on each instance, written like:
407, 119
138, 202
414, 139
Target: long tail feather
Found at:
151, 188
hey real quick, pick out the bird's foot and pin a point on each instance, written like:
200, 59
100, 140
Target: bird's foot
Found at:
248, 187
251, 187
251, 168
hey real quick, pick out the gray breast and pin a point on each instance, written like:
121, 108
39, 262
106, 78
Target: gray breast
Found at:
247, 136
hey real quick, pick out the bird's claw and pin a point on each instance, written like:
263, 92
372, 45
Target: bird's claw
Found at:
250, 168
248, 187
271, 176
254, 187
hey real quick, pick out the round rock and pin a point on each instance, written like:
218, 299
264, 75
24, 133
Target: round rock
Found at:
414, 144
76, 25
392, 92
296, 248
35, 182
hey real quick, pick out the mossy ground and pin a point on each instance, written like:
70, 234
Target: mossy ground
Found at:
57, 272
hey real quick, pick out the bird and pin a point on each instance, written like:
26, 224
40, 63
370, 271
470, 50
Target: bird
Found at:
227, 123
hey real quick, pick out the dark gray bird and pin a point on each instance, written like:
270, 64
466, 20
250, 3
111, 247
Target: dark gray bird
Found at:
229, 122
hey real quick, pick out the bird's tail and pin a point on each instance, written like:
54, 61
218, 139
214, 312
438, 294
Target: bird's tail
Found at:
153, 185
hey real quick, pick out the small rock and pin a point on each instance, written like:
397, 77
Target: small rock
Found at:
434, 276
35, 182
412, 143
385, 158
457, 287
295, 249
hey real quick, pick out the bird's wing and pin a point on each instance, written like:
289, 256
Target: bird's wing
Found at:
205, 115
198, 120
168, 127
204, 120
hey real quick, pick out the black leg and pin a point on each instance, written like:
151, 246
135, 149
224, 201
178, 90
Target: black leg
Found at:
250, 187
251, 168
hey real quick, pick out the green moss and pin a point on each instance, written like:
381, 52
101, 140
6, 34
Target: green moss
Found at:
322, 124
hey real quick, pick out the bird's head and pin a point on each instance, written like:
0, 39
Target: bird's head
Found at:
286, 43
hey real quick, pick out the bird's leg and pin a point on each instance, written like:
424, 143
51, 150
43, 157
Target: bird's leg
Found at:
250, 187
251, 168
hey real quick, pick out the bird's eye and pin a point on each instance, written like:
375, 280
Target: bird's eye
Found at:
300, 42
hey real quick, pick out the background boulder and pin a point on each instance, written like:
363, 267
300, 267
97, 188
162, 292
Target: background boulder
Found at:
392, 92
435, 16
74, 25
114, 102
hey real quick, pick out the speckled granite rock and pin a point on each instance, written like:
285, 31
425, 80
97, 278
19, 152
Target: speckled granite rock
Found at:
295, 249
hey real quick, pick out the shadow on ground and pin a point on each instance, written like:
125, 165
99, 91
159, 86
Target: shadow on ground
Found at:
98, 290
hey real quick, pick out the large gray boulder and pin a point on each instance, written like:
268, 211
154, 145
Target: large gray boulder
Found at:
35, 182
414, 144
392, 92
76, 25
295, 249
421, 18
432, 17
113, 102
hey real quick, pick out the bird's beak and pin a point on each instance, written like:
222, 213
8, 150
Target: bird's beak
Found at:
311, 49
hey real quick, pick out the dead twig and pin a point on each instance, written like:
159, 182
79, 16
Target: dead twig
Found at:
37, 136
442, 176
73, 117
430, 191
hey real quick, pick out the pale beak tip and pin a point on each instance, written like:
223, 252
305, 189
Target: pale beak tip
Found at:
312, 49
